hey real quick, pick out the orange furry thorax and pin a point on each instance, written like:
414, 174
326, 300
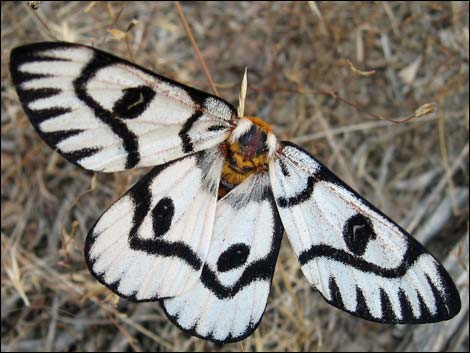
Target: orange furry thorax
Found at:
245, 156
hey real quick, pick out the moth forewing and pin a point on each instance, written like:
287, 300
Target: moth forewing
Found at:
106, 114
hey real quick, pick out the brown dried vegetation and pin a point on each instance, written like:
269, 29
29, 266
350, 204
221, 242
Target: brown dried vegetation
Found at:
328, 76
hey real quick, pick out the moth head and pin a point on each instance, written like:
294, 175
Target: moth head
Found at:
254, 137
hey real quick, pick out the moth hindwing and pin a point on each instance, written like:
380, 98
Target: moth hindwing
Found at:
152, 243
230, 297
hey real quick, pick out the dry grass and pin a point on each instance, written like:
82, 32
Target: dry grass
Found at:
305, 60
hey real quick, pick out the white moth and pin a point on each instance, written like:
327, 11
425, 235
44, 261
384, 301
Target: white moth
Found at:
200, 233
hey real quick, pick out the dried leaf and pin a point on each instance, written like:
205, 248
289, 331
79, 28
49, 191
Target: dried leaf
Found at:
425, 109
408, 74
359, 72
117, 33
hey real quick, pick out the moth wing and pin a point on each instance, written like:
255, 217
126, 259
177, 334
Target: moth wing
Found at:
152, 243
358, 259
227, 302
106, 114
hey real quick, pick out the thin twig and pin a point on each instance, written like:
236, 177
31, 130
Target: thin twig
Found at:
132, 341
445, 160
352, 128
44, 25
425, 109
115, 19
146, 29
196, 48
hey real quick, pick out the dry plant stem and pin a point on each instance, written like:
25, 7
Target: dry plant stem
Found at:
437, 190
195, 46
123, 331
114, 18
68, 211
316, 11
368, 125
146, 29
297, 307
391, 16
144, 331
44, 24
337, 149
423, 110
445, 160
129, 50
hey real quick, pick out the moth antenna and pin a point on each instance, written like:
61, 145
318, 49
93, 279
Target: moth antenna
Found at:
242, 96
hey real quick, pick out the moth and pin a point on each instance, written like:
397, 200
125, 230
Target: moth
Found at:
201, 232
